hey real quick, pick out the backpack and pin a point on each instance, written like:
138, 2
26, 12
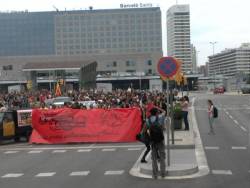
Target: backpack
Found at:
156, 132
215, 113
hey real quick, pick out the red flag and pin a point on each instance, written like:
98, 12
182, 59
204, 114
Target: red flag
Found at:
58, 90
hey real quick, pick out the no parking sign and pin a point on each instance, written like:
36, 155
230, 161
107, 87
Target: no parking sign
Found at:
167, 67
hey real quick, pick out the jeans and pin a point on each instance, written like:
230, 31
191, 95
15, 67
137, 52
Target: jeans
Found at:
146, 152
158, 148
211, 123
185, 118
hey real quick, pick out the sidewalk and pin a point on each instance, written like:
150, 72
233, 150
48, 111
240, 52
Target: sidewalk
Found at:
187, 157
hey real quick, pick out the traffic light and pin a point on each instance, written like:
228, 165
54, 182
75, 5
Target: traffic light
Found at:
178, 78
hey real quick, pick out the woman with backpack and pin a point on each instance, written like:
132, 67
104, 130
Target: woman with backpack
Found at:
211, 116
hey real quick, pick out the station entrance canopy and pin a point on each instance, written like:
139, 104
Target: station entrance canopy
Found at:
84, 72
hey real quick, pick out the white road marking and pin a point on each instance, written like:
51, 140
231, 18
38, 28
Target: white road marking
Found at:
239, 147
74, 147
115, 172
236, 122
231, 116
15, 175
35, 151
134, 149
109, 149
80, 173
46, 174
222, 172
243, 128
211, 148
59, 151
84, 150
11, 152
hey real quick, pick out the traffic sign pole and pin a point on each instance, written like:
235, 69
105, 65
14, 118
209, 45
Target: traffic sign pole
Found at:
167, 67
169, 123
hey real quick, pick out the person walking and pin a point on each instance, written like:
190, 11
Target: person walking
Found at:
155, 131
211, 116
144, 138
184, 106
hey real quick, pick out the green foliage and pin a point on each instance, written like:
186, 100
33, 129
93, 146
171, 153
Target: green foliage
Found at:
177, 111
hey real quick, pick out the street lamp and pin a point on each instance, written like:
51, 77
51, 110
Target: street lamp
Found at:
213, 44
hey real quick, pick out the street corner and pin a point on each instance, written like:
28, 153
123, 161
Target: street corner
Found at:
180, 167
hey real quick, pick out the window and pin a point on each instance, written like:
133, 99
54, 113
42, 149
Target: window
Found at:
127, 63
149, 71
8, 67
130, 71
130, 63
114, 64
149, 62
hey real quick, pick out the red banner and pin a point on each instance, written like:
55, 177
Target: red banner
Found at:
74, 125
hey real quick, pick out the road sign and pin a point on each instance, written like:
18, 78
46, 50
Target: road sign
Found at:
167, 67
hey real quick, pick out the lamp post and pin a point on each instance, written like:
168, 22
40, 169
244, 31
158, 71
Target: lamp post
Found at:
213, 44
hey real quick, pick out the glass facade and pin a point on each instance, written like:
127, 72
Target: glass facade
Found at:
26, 34
81, 32
109, 31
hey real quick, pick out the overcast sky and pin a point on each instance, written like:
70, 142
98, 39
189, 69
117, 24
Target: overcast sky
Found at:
225, 21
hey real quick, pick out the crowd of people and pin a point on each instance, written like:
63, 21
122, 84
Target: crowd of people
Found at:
115, 99
151, 104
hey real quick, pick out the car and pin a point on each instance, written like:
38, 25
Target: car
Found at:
59, 101
219, 90
245, 89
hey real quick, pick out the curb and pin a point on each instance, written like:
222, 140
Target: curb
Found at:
190, 171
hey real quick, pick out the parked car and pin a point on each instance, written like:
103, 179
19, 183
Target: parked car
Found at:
245, 89
59, 101
219, 90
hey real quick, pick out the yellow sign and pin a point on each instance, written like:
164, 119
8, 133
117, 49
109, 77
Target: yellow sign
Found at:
8, 128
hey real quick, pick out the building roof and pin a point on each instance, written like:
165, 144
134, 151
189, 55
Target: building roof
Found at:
56, 65
86, 10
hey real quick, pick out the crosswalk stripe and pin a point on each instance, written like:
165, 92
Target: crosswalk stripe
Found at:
84, 150
239, 147
243, 128
13, 175
222, 172
114, 172
35, 151
80, 173
59, 151
212, 147
46, 174
134, 149
236, 122
111, 149
231, 116
10, 152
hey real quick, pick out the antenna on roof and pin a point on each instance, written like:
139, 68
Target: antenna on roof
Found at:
90, 8
57, 10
